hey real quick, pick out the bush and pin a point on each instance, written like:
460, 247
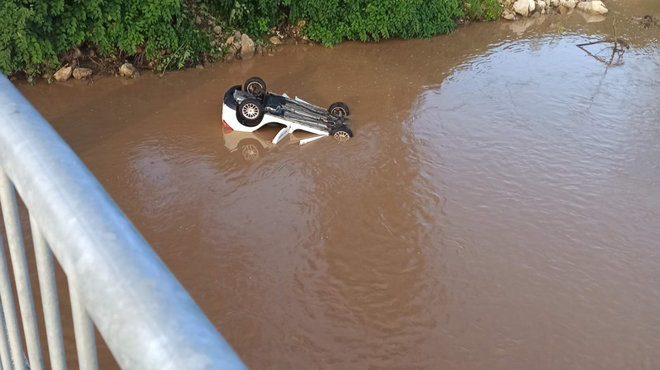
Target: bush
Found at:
33, 34
483, 9
332, 21
252, 16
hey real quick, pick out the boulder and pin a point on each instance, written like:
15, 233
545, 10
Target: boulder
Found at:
542, 5
521, 7
63, 74
247, 47
129, 70
570, 4
217, 30
275, 40
237, 34
82, 73
593, 7
230, 40
259, 50
524, 7
562, 10
554, 3
509, 15
75, 53
532, 5
232, 50
199, 66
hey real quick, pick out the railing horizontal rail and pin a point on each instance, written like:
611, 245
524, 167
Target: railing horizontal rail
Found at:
145, 316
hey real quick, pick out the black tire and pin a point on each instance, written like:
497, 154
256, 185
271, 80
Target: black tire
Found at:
342, 134
339, 109
250, 112
255, 86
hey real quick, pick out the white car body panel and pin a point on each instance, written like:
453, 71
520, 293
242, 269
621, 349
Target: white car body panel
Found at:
229, 117
280, 135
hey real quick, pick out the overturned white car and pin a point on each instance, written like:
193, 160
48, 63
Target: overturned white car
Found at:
249, 107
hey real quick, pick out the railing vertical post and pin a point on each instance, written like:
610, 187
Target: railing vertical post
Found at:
21, 274
9, 308
47, 284
5, 355
84, 329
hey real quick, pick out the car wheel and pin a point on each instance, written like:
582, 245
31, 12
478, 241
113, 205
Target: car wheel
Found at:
255, 86
250, 112
342, 134
339, 109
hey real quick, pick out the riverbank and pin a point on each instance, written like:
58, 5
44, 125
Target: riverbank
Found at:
227, 43
38, 39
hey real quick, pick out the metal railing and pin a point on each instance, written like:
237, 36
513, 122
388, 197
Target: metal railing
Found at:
116, 281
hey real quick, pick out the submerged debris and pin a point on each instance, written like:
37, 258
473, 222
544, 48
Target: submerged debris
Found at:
618, 47
649, 21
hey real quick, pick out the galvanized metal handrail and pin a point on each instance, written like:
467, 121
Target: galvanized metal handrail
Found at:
145, 316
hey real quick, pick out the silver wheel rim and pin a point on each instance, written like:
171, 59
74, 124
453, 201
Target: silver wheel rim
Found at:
250, 111
339, 112
250, 152
342, 136
254, 88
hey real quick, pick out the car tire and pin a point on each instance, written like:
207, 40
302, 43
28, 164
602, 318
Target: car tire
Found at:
256, 87
339, 109
250, 112
342, 134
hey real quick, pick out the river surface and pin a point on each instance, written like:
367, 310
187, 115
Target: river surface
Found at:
498, 207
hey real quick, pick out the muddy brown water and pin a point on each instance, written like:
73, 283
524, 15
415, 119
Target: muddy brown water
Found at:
498, 208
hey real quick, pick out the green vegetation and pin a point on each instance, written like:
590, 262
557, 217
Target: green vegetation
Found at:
33, 33
330, 21
36, 34
482, 9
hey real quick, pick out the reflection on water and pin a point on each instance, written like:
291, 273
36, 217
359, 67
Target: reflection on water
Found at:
250, 147
497, 208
